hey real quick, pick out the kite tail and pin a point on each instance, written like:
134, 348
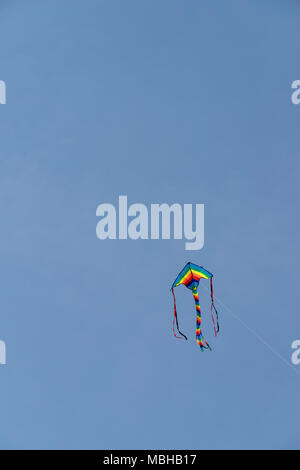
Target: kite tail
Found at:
212, 306
199, 337
175, 319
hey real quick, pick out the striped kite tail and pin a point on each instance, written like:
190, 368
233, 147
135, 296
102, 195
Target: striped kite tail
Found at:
199, 337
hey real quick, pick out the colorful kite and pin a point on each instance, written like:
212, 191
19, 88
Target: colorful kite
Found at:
190, 276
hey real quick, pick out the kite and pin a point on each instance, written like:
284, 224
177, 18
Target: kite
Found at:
190, 276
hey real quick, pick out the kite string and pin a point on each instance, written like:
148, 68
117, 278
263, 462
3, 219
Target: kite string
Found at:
257, 335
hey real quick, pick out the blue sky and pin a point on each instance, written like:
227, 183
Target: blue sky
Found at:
163, 101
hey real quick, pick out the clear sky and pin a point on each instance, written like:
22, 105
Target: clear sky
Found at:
162, 101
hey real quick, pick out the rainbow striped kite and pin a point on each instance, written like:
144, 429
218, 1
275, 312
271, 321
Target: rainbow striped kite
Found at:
190, 276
